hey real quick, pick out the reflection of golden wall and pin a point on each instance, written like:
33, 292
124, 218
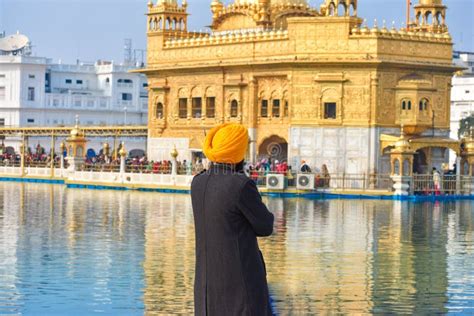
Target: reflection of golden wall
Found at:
321, 268
169, 254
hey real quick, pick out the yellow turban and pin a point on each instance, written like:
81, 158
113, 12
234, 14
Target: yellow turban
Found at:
226, 143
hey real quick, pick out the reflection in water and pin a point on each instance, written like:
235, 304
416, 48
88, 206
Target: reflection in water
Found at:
120, 252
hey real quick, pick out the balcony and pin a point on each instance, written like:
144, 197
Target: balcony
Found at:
59, 100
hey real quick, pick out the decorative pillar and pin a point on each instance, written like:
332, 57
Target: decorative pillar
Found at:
22, 157
253, 119
174, 161
123, 155
401, 160
106, 152
458, 174
53, 144
468, 155
114, 154
76, 144
62, 147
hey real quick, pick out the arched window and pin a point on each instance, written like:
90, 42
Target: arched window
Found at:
264, 108
396, 167
79, 151
423, 105
183, 108
341, 9
428, 18
406, 167
406, 105
151, 26
438, 18
352, 10
234, 108
159, 110
276, 108
332, 9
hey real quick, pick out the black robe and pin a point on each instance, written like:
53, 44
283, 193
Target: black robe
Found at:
230, 274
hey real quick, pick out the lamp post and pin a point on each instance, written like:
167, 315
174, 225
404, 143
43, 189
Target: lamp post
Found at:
62, 147
22, 156
53, 144
174, 162
123, 154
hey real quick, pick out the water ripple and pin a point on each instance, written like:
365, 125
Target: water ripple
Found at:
132, 253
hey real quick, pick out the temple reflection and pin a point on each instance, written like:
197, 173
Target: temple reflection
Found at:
134, 252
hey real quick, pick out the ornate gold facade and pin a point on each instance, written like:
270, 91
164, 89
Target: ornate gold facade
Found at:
278, 67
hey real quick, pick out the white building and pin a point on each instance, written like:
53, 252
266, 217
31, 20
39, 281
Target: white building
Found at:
462, 93
34, 91
462, 101
465, 60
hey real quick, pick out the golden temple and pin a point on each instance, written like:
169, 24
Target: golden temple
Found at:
314, 84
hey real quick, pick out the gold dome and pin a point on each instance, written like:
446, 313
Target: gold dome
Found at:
122, 151
431, 2
174, 152
76, 132
273, 2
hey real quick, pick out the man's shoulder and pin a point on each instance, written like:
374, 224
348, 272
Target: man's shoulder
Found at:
199, 176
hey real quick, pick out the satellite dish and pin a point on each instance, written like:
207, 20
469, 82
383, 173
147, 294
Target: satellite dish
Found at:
13, 43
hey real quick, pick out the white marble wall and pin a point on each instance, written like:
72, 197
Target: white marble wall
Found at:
352, 150
159, 148
341, 149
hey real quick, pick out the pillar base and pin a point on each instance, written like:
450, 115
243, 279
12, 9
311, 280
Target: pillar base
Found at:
75, 163
401, 185
469, 188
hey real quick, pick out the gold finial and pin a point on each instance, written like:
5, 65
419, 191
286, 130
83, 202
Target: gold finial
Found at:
174, 152
122, 151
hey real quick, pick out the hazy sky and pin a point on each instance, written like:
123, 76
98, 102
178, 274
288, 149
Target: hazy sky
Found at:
95, 29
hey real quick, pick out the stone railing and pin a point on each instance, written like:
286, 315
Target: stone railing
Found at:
240, 36
403, 33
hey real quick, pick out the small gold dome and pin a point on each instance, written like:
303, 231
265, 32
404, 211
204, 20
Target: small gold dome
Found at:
122, 151
76, 132
174, 152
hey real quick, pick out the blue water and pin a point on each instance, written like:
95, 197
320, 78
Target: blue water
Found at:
78, 252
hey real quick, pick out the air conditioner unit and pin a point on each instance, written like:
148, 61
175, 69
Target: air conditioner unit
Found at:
305, 182
275, 181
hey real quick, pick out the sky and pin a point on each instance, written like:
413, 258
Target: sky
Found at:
89, 30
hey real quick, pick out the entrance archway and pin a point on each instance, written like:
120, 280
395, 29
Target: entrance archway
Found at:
274, 147
420, 164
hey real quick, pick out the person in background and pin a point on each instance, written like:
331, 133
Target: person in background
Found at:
326, 175
304, 167
253, 174
229, 215
436, 181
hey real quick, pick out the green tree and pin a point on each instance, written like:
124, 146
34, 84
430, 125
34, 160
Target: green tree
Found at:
465, 125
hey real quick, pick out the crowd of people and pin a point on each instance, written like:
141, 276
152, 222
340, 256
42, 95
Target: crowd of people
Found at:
258, 171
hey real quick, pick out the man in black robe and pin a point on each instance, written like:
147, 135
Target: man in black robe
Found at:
229, 215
